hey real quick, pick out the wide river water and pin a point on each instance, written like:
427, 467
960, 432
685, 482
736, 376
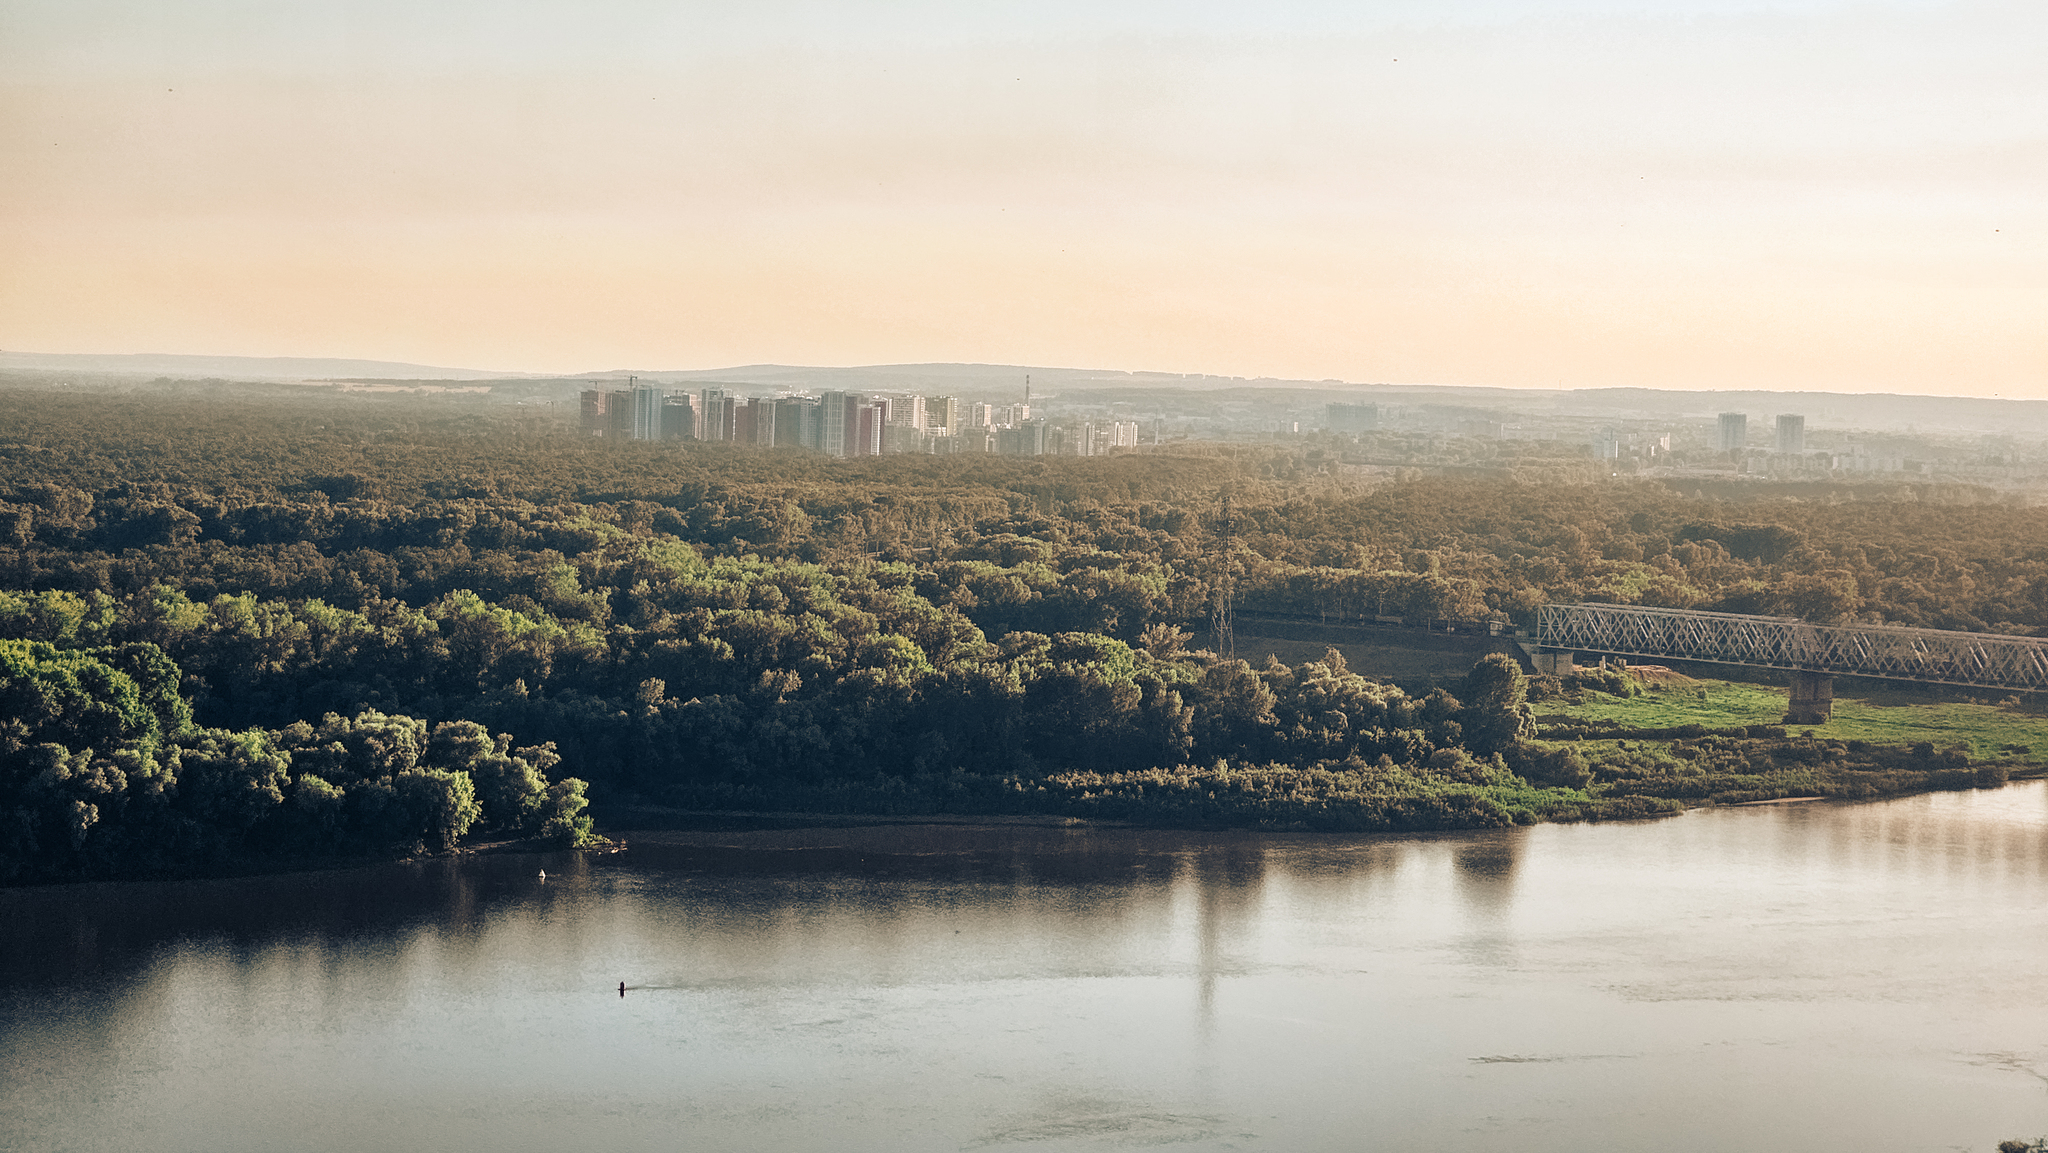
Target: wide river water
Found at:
1788, 977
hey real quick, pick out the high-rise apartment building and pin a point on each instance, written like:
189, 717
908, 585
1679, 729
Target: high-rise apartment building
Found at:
789, 423
1791, 433
647, 402
1094, 438
1734, 431
868, 422
720, 417
1027, 439
618, 413
839, 423
943, 414
679, 417
907, 411
594, 422
712, 424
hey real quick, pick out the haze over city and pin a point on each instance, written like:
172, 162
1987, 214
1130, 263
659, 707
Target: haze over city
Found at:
1815, 196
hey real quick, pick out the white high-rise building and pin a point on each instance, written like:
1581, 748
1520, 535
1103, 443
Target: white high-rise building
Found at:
839, 423
647, 411
907, 411
711, 414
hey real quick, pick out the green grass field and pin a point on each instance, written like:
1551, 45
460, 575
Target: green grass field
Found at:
1899, 717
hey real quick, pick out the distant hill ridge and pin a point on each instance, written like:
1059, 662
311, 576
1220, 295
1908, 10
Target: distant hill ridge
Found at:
1864, 410
239, 367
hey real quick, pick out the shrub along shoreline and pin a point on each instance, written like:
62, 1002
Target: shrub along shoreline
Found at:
103, 774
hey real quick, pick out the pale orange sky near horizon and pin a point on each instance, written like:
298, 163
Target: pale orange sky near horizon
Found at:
1797, 195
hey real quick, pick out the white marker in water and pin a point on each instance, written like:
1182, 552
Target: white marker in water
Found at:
543, 874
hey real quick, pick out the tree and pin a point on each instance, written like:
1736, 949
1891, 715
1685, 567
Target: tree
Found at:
229, 780
72, 698
441, 806
567, 823
1497, 714
1560, 766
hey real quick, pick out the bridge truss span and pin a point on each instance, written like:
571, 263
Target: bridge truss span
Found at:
1981, 660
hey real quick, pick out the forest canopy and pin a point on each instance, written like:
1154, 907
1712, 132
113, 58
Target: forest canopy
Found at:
329, 624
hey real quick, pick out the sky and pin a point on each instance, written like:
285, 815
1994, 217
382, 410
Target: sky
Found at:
1790, 195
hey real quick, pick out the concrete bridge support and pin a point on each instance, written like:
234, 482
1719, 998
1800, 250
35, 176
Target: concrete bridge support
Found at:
1812, 698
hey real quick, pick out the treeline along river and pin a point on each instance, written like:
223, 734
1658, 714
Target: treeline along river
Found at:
1816, 976
240, 629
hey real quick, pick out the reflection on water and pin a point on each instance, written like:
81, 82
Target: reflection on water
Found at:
1796, 976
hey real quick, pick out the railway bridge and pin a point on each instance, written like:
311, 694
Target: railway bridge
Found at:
1813, 654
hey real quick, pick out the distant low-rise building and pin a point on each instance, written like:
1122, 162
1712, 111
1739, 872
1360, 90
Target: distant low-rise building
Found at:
902, 438
1352, 418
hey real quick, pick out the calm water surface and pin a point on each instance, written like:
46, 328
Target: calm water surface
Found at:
1867, 977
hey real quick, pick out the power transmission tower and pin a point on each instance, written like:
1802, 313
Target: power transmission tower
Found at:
1223, 587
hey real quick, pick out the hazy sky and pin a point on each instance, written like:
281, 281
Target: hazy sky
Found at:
1847, 196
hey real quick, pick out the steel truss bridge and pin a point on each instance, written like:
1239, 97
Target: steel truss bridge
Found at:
1933, 656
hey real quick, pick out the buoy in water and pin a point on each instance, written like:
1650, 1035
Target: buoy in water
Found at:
543, 874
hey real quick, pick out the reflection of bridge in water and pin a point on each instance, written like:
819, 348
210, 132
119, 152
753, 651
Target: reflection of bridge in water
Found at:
1812, 653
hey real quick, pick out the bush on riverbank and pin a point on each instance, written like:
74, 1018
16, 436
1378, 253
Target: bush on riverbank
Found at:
1329, 797
103, 773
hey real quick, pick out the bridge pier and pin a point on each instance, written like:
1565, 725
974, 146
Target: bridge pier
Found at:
1812, 700
1552, 664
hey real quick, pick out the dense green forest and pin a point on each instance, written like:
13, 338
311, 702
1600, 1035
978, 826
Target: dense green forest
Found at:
241, 626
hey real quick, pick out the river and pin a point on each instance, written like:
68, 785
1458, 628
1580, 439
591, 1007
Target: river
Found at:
1782, 977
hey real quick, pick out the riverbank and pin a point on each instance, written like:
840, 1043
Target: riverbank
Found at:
1671, 745
1664, 744
1629, 777
269, 865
